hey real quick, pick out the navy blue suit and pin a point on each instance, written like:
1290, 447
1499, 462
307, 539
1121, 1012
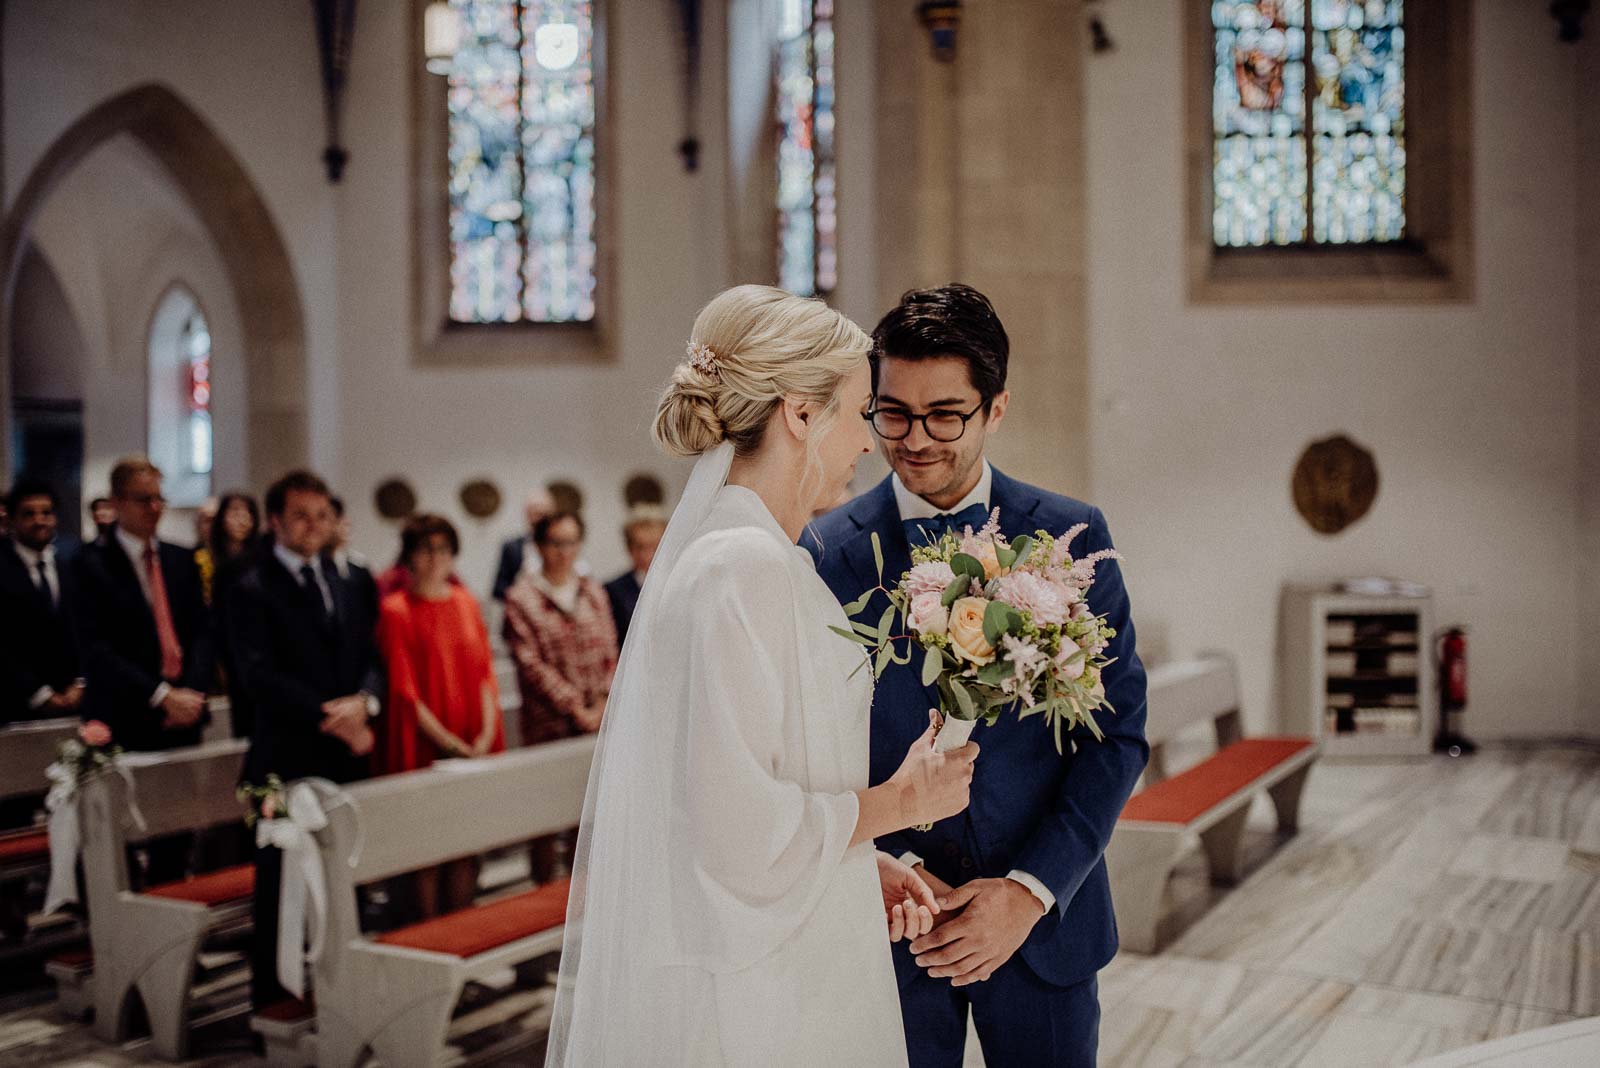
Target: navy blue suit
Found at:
1032, 809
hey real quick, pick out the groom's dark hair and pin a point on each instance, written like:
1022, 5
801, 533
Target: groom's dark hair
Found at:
949, 320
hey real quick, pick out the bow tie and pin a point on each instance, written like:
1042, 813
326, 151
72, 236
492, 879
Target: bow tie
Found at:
925, 531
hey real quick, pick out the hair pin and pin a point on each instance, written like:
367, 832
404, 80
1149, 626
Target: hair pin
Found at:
704, 359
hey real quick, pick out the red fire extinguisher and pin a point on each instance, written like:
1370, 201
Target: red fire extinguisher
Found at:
1451, 644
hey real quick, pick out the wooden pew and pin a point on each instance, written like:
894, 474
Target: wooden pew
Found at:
395, 993
26, 749
148, 941
1211, 799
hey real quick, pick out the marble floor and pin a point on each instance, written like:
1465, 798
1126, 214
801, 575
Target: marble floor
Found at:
1424, 906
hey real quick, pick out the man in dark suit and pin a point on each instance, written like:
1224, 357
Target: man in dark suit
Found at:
642, 533
517, 552
41, 675
143, 623
303, 638
1028, 923
146, 637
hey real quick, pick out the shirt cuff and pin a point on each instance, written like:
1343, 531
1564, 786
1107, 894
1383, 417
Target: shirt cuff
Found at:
374, 706
160, 694
40, 696
1035, 887
910, 859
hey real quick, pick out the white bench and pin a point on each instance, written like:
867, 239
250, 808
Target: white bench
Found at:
26, 749
1211, 799
148, 941
395, 993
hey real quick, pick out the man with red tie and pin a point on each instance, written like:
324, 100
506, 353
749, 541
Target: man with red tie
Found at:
146, 639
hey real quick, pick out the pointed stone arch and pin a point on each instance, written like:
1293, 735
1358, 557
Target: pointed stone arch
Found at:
236, 219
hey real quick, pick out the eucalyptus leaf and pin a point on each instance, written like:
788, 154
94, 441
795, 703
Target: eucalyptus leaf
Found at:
862, 628
883, 623
884, 656
955, 591
1004, 555
858, 639
997, 620
896, 657
993, 674
963, 699
932, 663
1022, 547
877, 555
859, 603
965, 564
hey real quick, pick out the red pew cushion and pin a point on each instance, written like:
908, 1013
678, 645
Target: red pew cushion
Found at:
1187, 795
212, 888
24, 846
483, 927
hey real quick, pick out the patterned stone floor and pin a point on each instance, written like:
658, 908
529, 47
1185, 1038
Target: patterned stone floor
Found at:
1424, 906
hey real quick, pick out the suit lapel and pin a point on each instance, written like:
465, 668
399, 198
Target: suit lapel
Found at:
1017, 502
875, 511
119, 568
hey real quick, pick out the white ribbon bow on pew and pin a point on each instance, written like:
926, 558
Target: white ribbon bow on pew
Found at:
302, 882
65, 835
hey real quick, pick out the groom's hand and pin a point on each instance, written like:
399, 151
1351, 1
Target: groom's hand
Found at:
996, 918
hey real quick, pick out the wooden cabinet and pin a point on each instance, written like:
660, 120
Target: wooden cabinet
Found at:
1357, 671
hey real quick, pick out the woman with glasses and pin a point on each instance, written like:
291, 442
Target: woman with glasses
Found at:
560, 631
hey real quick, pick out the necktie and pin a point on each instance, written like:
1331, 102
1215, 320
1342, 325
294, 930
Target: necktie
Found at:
161, 608
925, 531
308, 580
43, 582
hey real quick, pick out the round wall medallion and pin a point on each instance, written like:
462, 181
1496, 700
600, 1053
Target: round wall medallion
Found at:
567, 495
395, 499
642, 488
1335, 483
480, 498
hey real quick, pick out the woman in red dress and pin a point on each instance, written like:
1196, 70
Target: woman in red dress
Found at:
442, 696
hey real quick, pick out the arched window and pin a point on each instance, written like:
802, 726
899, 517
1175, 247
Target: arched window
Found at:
807, 218
521, 146
180, 397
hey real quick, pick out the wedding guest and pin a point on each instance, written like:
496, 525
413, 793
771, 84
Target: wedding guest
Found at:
520, 552
148, 650
642, 534
308, 663
41, 673
232, 548
149, 656
103, 514
559, 629
205, 514
339, 549
442, 696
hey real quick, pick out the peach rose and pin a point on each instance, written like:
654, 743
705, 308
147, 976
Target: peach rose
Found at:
966, 631
95, 733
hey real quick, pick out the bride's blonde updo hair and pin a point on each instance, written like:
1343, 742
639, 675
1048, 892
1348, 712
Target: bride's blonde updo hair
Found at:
752, 347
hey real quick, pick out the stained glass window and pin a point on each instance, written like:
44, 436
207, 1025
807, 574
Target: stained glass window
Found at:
522, 162
194, 350
808, 258
1273, 185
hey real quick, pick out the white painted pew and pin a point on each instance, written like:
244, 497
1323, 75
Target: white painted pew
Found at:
26, 749
149, 940
395, 993
1211, 799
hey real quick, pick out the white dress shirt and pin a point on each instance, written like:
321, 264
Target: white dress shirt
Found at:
912, 506
31, 559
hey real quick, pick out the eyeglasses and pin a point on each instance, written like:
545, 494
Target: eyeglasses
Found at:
894, 424
146, 499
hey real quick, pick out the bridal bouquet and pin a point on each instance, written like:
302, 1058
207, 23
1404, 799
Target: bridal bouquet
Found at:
1000, 624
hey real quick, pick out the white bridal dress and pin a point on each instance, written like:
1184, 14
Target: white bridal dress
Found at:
718, 914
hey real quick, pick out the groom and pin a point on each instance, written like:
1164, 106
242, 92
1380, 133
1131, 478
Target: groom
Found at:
1028, 922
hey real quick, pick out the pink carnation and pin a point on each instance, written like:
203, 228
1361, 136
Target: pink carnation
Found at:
1047, 601
94, 733
931, 577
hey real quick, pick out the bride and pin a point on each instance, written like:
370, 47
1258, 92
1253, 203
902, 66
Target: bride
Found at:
727, 904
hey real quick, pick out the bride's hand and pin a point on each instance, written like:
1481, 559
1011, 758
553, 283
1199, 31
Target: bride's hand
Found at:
908, 901
934, 786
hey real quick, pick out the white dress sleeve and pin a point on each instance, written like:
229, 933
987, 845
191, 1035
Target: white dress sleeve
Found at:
762, 846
